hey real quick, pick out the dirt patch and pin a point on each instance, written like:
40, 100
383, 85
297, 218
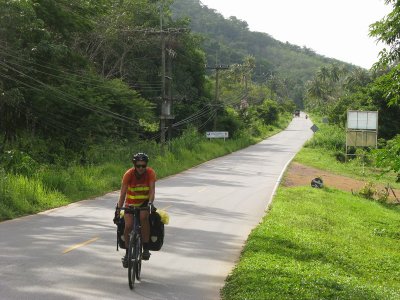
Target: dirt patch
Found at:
300, 175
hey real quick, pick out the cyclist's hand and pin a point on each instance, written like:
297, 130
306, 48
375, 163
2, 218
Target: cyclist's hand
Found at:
116, 215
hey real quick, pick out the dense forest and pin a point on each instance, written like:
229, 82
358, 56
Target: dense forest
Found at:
80, 72
76, 74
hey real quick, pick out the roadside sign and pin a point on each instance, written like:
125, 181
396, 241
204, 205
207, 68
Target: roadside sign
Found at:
362, 120
217, 134
314, 128
361, 129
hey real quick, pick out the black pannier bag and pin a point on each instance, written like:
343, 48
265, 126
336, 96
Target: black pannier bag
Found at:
156, 232
120, 233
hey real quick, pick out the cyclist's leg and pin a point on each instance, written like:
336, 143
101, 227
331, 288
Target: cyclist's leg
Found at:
145, 230
144, 222
128, 228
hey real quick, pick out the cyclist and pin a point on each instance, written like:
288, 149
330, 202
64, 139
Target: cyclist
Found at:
138, 189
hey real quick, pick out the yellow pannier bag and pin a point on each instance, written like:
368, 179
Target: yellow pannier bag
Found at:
164, 216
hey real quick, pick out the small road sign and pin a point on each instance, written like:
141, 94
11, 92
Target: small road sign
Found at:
217, 134
314, 128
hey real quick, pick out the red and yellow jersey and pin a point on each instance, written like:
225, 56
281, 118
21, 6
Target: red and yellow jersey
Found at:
138, 188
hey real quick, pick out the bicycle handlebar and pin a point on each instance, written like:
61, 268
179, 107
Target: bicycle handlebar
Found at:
132, 209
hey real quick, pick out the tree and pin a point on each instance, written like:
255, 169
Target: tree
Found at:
387, 31
325, 88
389, 157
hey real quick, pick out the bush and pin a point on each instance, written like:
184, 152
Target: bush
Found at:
389, 157
230, 121
268, 112
329, 137
368, 191
340, 156
18, 162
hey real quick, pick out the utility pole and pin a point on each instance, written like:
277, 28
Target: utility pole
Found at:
166, 103
163, 100
217, 69
170, 98
246, 87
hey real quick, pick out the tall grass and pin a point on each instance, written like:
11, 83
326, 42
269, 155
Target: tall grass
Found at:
330, 137
53, 186
21, 195
78, 182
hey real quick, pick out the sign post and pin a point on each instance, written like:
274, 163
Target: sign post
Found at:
362, 129
217, 135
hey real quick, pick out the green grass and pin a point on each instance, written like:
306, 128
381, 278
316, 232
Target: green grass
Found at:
325, 160
53, 186
320, 244
20, 195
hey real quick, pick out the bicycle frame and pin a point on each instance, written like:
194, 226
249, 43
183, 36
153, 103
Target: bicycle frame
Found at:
134, 245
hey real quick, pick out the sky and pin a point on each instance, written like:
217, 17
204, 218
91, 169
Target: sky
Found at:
333, 28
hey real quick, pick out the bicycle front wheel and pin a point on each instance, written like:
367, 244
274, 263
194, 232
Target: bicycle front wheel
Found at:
138, 257
131, 260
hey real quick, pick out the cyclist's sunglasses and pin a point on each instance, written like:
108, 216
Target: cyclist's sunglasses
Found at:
140, 166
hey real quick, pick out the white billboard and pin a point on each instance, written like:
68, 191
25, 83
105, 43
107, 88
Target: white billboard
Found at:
362, 120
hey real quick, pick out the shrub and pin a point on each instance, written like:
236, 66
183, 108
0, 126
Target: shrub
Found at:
368, 191
18, 162
389, 157
340, 156
330, 137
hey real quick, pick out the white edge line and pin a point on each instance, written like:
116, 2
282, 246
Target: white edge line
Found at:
278, 182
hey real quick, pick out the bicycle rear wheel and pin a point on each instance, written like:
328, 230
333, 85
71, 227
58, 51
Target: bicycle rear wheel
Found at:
131, 260
138, 257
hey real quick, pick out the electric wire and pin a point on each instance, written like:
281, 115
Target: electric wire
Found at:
54, 69
74, 100
72, 126
192, 117
208, 120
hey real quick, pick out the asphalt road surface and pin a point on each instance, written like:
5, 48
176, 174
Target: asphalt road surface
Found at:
70, 252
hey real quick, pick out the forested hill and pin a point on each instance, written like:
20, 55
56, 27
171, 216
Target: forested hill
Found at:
228, 41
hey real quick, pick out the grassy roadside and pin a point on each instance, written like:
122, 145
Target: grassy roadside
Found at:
54, 186
320, 244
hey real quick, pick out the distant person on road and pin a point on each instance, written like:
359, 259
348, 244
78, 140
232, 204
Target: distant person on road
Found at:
138, 189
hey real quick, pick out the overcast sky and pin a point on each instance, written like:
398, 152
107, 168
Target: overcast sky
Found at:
334, 28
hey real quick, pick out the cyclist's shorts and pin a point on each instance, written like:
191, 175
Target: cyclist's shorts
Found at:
144, 204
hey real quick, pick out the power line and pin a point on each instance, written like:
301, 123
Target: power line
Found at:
76, 101
193, 116
68, 74
208, 120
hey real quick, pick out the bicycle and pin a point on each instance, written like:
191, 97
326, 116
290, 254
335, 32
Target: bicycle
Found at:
135, 245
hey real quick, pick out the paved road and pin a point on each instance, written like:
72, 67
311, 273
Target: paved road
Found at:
213, 208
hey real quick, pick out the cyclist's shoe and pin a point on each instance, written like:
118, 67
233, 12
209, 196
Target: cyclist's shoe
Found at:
125, 261
146, 254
